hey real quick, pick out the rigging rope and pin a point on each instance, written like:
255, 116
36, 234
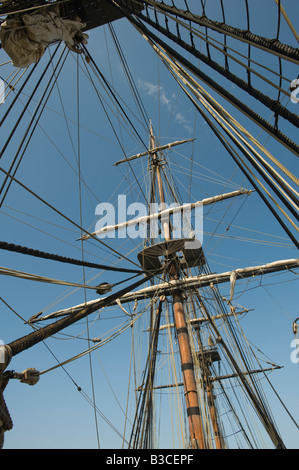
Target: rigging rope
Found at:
31, 124
64, 216
81, 223
24, 10
247, 173
276, 133
82, 247
113, 94
27, 104
34, 277
30, 340
246, 154
140, 434
272, 46
208, 39
225, 115
288, 20
254, 396
62, 259
272, 104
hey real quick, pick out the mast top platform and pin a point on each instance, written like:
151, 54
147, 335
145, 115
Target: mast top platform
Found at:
96, 12
92, 12
192, 254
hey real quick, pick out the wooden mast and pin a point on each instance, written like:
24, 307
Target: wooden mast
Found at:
191, 396
208, 385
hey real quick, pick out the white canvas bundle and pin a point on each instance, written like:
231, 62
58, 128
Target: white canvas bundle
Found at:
25, 38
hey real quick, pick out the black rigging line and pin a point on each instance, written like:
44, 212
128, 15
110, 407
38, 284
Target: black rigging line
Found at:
20, 6
254, 397
114, 96
251, 180
26, 105
232, 408
141, 422
224, 39
245, 361
62, 259
129, 76
206, 29
249, 46
280, 181
264, 99
82, 248
131, 81
12, 178
64, 216
275, 190
84, 394
37, 336
278, 135
18, 94
275, 47
279, 59
211, 40
30, 125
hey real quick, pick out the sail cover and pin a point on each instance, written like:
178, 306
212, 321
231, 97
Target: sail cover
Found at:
26, 37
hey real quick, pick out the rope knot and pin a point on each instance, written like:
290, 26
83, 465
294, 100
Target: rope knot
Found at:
29, 376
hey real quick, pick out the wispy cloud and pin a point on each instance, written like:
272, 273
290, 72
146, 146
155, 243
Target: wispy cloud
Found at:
156, 91
159, 93
180, 118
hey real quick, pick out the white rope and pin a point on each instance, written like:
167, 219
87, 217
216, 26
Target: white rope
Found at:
35, 277
123, 309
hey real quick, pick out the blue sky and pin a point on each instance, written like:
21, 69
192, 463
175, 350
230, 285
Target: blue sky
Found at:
53, 414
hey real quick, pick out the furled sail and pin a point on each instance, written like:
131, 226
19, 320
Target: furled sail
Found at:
26, 37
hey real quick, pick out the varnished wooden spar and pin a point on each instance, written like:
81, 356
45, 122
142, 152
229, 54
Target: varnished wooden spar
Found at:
195, 321
153, 151
195, 282
218, 378
166, 212
187, 366
191, 396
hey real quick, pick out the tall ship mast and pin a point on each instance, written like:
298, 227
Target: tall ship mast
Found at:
142, 221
